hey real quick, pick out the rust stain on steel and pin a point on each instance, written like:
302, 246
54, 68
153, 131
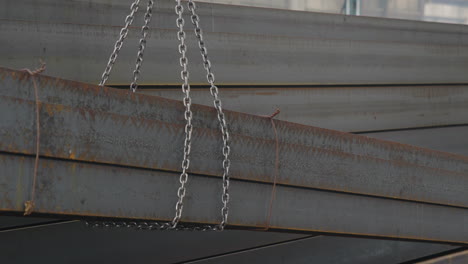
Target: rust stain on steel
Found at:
333, 134
248, 132
65, 202
342, 138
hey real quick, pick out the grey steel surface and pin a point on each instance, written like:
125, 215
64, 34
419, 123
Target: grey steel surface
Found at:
83, 122
86, 123
350, 109
448, 139
239, 19
249, 45
322, 249
84, 189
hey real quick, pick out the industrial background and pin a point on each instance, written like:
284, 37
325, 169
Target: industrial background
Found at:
374, 68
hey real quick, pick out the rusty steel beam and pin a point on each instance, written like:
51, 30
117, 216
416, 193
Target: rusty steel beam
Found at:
448, 139
85, 123
348, 109
88, 189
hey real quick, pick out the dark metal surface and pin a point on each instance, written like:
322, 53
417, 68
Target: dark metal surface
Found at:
8, 222
350, 109
322, 249
123, 246
87, 123
456, 258
86, 189
249, 45
230, 245
75, 243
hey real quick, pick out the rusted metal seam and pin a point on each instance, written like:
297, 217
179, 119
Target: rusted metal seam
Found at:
285, 145
253, 138
118, 94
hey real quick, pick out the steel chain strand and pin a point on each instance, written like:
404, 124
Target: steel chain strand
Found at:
174, 224
141, 49
119, 42
221, 117
184, 75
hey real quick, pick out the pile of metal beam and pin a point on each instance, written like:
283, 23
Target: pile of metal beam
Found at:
395, 80
111, 153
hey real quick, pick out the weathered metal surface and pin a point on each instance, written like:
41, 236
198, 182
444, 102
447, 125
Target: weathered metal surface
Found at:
447, 139
84, 122
230, 245
323, 249
456, 258
86, 189
249, 45
350, 109
124, 245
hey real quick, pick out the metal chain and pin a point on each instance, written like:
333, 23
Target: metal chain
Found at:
217, 104
119, 42
143, 225
144, 33
184, 74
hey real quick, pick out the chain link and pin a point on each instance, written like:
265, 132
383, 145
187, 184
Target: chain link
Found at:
184, 75
118, 44
143, 225
187, 101
141, 48
217, 104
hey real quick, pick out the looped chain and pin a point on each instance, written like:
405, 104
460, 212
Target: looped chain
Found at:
217, 104
141, 48
184, 75
187, 101
118, 44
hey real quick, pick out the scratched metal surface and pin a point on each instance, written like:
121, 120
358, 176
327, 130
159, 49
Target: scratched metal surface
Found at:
82, 189
349, 109
248, 45
83, 122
